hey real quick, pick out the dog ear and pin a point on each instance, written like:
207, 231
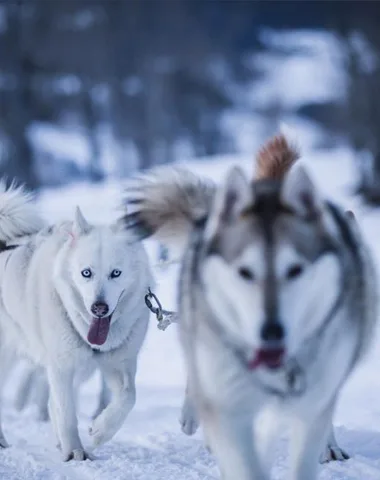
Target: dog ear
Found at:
230, 200
300, 193
350, 215
80, 225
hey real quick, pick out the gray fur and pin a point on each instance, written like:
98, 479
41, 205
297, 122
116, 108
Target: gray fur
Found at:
272, 217
166, 202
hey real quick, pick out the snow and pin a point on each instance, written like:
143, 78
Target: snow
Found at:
68, 143
61, 145
150, 445
312, 74
298, 68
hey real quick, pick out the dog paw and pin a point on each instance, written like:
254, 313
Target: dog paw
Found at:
99, 432
333, 453
188, 421
78, 454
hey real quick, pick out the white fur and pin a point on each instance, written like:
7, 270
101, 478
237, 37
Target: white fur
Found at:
33, 389
18, 215
45, 314
224, 288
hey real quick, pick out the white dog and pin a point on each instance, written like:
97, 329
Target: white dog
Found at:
72, 299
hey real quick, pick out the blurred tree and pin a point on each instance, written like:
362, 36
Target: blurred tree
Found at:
357, 118
162, 67
16, 98
160, 76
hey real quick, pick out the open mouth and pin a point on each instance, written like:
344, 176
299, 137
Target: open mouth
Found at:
270, 357
99, 328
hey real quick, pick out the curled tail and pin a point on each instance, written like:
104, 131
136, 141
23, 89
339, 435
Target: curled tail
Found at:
18, 213
276, 158
166, 201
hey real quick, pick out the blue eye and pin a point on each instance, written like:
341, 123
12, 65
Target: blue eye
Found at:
86, 273
115, 273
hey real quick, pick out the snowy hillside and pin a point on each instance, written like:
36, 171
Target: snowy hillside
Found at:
150, 445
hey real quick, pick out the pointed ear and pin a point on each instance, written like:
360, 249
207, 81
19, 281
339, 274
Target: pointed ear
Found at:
230, 200
80, 225
350, 215
300, 193
352, 221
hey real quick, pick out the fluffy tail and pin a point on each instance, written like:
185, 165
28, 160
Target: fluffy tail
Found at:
18, 213
167, 201
275, 158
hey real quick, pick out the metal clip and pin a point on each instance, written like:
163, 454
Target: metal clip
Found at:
164, 317
156, 310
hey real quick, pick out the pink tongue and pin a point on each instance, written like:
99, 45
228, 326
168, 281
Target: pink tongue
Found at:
271, 358
99, 329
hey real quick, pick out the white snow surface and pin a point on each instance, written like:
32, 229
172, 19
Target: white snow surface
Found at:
150, 445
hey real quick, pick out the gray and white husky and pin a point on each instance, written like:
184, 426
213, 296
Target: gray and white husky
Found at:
275, 283
72, 300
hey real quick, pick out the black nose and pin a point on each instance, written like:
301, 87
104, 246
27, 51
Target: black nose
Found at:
272, 332
99, 309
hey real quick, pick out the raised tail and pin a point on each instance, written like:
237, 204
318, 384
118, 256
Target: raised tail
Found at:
276, 158
18, 213
166, 201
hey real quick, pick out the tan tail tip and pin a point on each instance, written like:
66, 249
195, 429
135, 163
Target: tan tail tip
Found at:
276, 158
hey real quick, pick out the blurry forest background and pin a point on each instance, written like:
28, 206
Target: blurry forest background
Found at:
95, 89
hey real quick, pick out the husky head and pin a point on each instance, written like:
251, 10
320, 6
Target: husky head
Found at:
270, 272
100, 272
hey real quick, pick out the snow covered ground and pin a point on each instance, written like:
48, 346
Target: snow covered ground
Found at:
150, 445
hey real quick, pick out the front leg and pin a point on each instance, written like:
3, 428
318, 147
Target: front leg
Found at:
41, 395
123, 398
333, 451
188, 419
307, 439
230, 437
267, 428
62, 407
104, 397
53, 420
